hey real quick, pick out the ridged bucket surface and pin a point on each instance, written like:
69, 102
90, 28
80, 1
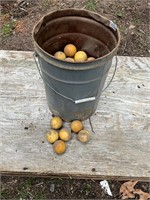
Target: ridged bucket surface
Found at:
73, 89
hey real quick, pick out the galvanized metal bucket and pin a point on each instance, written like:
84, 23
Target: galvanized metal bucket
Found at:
73, 89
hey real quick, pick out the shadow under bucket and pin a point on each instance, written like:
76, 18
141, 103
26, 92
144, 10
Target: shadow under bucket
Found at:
73, 89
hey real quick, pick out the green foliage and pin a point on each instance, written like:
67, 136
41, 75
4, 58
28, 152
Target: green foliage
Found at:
3, 194
90, 5
7, 28
87, 187
46, 3
119, 14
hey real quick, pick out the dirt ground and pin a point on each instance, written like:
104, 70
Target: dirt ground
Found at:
17, 19
131, 17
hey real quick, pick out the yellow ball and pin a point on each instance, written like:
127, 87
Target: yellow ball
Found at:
56, 122
70, 50
60, 55
69, 59
83, 136
90, 59
76, 126
65, 134
80, 56
52, 136
59, 147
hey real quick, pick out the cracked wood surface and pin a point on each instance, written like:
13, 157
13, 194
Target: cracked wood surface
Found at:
120, 144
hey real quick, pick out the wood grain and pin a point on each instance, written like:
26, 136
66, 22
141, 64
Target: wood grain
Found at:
120, 144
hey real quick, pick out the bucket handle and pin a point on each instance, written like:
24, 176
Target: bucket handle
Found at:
112, 75
75, 101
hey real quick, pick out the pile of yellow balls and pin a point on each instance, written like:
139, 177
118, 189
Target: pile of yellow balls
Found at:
58, 136
70, 54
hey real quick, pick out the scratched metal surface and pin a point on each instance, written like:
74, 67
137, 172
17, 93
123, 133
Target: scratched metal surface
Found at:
120, 144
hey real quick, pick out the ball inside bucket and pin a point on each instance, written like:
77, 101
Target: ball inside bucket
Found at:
73, 89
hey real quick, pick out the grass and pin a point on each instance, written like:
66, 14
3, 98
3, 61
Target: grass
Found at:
87, 187
119, 14
27, 188
23, 191
7, 28
90, 5
3, 195
46, 3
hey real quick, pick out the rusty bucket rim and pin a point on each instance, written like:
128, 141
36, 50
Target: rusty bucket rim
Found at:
95, 63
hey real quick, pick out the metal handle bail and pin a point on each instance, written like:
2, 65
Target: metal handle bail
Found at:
112, 75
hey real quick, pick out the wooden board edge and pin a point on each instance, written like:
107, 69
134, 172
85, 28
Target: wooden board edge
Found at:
75, 176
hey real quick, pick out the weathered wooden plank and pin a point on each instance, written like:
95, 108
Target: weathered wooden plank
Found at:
120, 146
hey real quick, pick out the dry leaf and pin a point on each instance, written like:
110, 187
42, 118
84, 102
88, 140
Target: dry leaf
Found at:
20, 26
4, 19
143, 195
127, 189
130, 185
